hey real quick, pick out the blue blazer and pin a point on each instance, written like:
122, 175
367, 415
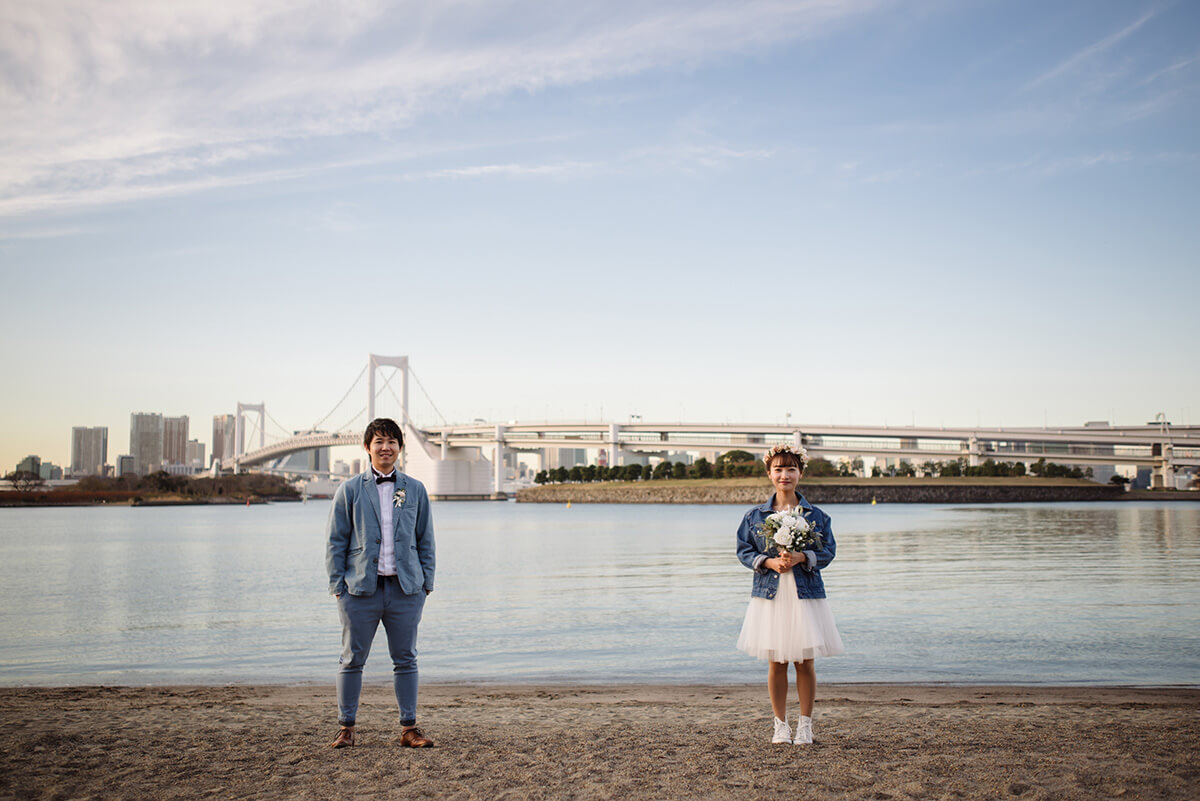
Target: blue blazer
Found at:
352, 552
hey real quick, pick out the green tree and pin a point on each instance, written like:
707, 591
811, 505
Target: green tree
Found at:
576, 474
560, 475
820, 466
541, 478
701, 469
589, 473
952, 467
905, 469
662, 470
737, 456
680, 470
632, 472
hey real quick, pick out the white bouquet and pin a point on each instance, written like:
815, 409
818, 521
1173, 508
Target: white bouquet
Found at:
789, 531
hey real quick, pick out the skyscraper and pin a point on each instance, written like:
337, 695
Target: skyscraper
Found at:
224, 430
89, 450
146, 442
195, 454
175, 437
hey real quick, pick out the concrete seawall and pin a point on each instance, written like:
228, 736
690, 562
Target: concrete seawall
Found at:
648, 492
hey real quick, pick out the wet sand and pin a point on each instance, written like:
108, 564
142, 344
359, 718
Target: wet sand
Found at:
594, 742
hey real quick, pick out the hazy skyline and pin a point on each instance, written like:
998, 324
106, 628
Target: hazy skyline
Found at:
947, 213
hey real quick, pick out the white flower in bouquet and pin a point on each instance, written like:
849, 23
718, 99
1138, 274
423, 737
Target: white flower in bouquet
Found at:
790, 531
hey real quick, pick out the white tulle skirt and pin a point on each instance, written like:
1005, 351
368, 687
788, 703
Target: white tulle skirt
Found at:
789, 629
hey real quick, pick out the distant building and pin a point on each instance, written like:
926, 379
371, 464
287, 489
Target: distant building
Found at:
1143, 478
89, 450
224, 430
126, 466
146, 442
340, 468
195, 455
563, 457
30, 464
50, 472
175, 439
356, 467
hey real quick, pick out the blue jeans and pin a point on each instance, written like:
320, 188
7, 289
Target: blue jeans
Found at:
361, 615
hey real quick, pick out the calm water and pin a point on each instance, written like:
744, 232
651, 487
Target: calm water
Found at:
1040, 593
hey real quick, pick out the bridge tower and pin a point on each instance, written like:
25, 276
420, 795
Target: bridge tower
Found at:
374, 362
239, 437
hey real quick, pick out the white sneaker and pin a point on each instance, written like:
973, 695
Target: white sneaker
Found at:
783, 732
803, 731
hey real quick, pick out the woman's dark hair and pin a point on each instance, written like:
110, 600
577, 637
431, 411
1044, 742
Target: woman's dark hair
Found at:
382, 426
786, 457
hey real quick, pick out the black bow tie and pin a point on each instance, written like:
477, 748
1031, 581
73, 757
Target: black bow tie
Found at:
382, 479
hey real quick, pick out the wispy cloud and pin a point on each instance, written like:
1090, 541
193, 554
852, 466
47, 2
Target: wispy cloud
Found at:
679, 158
1091, 51
119, 101
1170, 69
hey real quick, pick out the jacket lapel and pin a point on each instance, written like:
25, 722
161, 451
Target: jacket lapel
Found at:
372, 496
401, 484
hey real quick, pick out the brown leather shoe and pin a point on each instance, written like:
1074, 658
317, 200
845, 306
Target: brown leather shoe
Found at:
415, 738
344, 739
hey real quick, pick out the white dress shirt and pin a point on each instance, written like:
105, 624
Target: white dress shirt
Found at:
387, 547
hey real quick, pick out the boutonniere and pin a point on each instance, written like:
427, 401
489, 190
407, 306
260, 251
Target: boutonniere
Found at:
398, 498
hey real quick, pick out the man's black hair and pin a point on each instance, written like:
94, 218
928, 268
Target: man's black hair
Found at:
384, 426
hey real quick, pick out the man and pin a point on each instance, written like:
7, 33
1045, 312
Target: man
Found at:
380, 560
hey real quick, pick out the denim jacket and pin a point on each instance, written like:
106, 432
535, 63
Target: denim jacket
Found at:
751, 552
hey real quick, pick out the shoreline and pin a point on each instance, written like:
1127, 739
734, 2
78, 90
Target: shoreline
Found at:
599, 741
745, 492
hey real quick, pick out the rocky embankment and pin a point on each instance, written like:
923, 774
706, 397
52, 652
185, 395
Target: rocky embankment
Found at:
716, 492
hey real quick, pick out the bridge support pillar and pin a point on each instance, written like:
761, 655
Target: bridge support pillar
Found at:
614, 438
1164, 471
973, 452
498, 466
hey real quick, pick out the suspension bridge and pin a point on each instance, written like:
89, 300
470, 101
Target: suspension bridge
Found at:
468, 460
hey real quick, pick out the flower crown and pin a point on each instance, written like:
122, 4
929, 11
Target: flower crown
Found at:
797, 450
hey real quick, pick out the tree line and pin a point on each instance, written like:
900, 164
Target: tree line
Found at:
737, 464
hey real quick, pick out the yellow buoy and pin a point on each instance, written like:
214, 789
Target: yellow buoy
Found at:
568, 504
872, 500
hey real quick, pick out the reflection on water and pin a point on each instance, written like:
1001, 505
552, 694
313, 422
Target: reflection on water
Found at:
1039, 593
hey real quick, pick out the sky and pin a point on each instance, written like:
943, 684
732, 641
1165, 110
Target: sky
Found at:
933, 212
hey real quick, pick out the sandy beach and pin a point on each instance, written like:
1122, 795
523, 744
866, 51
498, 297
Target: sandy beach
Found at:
592, 742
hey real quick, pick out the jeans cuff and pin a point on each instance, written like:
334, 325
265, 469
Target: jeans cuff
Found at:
345, 722
408, 722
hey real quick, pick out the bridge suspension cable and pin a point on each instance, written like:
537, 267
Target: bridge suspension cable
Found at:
338, 405
432, 405
346, 425
278, 425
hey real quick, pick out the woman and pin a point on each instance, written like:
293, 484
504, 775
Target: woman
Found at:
788, 619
